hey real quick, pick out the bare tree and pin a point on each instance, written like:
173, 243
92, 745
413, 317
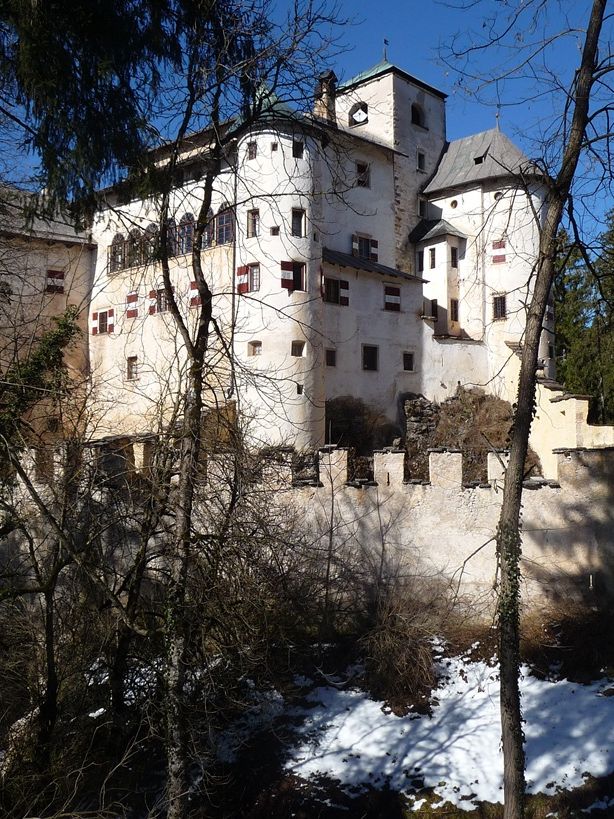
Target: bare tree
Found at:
580, 135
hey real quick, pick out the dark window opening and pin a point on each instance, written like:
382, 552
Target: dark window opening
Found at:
369, 357
331, 358
454, 257
432, 258
298, 148
499, 305
408, 362
453, 309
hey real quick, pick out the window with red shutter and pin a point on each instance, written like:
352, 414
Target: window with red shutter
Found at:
132, 309
243, 279
293, 275
55, 281
195, 299
392, 298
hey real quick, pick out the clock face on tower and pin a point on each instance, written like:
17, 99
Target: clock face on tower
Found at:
359, 114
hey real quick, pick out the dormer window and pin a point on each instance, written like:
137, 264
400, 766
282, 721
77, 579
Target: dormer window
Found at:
417, 115
478, 160
359, 114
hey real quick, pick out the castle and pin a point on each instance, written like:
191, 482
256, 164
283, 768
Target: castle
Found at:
352, 251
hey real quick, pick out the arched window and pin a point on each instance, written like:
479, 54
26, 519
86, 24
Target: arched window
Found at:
134, 250
208, 233
117, 259
185, 234
224, 225
359, 114
417, 115
171, 237
150, 243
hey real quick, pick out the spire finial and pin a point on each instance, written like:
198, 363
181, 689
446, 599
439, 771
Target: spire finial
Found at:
386, 44
497, 117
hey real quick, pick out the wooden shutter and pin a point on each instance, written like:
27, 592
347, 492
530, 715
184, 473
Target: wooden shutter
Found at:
94, 324
153, 302
195, 299
373, 250
392, 298
499, 244
287, 276
498, 259
354, 245
132, 309
110, 320
243, 279
344, 298
55, 281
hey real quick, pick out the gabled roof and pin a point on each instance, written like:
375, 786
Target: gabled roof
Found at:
487, 155
431, 228
384, 67
358, 263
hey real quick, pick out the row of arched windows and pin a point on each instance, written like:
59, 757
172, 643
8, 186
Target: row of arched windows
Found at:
142, 247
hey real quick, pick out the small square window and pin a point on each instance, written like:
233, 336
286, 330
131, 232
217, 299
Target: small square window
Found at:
298, 148
132, 368
499, 307
453, 309
298, 222
331, 358
254, 348
421, 161
275, 230
252, 150
369, 357
253, 223
408, 362
299, 389
273, 147
297, 349
453, 257
432, 257
363, 175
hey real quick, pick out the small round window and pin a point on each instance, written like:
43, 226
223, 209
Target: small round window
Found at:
497, 195
454, 203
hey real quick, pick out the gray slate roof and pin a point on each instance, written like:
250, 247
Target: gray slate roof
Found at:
384, 67
347, 260
431, 228
499, 158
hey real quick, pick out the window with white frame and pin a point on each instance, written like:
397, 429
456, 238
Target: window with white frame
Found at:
298, 222
253, 223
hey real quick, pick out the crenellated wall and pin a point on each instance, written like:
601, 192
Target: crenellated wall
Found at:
441, 528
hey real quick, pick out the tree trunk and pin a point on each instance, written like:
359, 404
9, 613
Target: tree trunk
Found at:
48, 710
508, 532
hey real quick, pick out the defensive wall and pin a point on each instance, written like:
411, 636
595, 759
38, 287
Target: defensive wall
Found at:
438, 528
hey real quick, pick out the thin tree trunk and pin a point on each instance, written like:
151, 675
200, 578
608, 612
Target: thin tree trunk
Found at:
49, 705
508, 532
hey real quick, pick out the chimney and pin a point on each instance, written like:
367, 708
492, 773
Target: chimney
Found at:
324, 98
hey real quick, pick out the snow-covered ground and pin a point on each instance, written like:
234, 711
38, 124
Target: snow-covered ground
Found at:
456, 750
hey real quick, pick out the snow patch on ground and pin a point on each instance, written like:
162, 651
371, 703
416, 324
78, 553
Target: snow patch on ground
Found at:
456, 750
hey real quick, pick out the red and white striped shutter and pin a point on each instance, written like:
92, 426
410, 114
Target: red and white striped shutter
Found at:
392, 298
243, 279
110, 320
354, 245
498, 244
374, 248
132, 309
153, 301
55, 281
498, 259
344, 298
94, 324
195, 300
287, 275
